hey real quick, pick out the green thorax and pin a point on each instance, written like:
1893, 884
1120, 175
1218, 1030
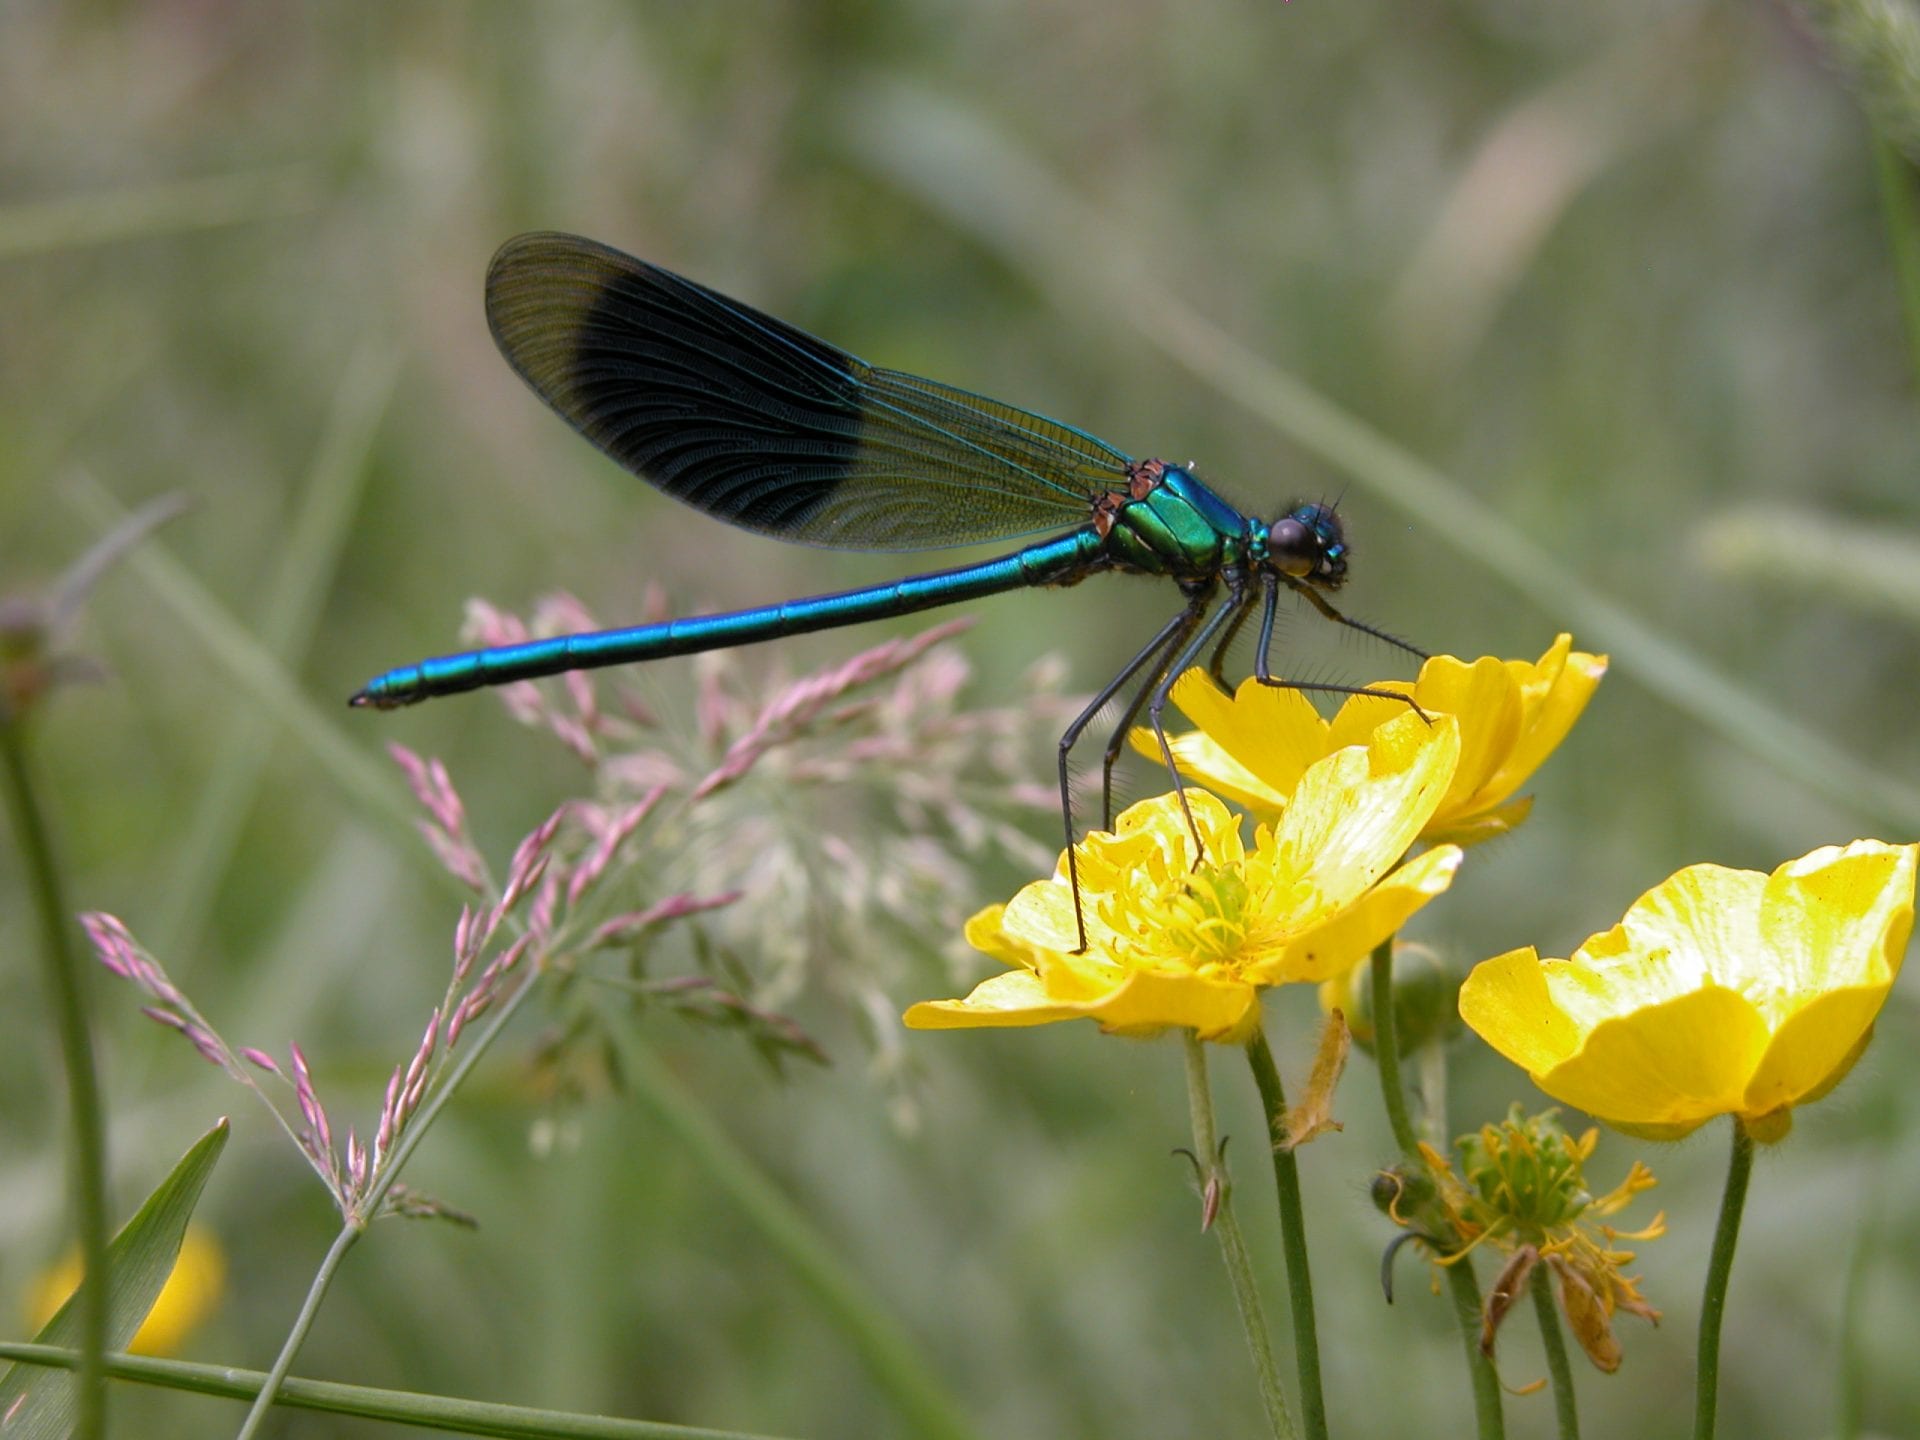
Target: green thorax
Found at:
1168, 523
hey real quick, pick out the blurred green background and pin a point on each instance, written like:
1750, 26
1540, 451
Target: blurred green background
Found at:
1623, 275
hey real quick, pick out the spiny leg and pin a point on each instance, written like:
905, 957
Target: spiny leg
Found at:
1237, 599
1263, 651
1170, 637
1117, 741
1325, 607
1217, 662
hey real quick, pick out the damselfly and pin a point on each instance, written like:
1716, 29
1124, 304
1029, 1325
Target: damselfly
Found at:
766, 427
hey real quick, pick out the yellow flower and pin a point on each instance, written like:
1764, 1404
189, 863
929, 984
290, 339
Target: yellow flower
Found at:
1722, 992
1175, 943
189, 1296
1253, 746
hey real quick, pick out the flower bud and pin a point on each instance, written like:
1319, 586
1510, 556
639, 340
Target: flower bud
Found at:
1425, 999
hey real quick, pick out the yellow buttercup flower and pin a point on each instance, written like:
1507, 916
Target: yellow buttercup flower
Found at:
1254, 745
1722, 992
1172, 942
192, 1291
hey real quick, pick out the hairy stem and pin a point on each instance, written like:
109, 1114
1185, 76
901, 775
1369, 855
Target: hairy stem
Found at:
1233, 1245
1293, 1236
1713, 1304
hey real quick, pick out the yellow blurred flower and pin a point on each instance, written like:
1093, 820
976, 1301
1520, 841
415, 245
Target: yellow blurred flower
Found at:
1175, 943
192, 1291
1253, 746
1722, 992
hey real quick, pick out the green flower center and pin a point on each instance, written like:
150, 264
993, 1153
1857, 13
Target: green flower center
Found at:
1527, 1173
1202, 923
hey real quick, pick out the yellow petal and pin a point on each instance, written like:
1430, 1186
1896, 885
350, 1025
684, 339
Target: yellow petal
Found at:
1474, 827
986, 931
1041, 917
1014, 998
1506, 1002
1354, 814
1699, 925
1360, 715
1840, 917
1485, 700
1554, 693
1271, 731
1038, 928
1814, 1049
1336, 946
1677, 1064
1205, 761
1217, 1007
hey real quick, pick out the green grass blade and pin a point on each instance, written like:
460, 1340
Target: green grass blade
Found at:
290, 616
401, 1407
40, 1404
1903, 236
260, 675
877, 1337
1793, 549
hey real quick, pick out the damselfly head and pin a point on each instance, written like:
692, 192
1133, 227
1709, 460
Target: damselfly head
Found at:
1308, 544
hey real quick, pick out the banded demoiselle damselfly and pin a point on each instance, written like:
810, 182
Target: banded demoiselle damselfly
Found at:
763, 426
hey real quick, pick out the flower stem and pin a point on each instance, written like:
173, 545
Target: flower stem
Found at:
1465, 1288
369, 1207
1566, 1407
1386, 1050
296, 1337
1489, 1421
1233, 1245
1713, 1304
1293, 1236
66, 983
